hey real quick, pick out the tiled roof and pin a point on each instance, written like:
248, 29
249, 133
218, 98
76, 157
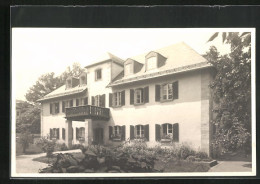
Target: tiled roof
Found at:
106, 57
62, 91
179, 58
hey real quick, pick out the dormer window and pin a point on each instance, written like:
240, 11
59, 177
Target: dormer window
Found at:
151, 63
83, 80
69, 84
98, 74
128, 69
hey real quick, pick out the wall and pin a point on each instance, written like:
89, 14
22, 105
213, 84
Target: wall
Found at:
186, 110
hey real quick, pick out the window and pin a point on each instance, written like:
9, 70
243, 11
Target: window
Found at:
167, 92
138, 96
98, 74
168, 132
83, 80
167, 129
117, 99
128, 69
54, 133
139, 131
63, 133
54, 108
151, 63
69, 84
80, 133
71, 103
99, 100
117, 133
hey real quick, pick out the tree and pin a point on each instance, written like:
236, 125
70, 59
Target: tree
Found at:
25, 139
29, 120
232, 93
48, 83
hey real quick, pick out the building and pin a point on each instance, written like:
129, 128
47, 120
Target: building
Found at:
161, 96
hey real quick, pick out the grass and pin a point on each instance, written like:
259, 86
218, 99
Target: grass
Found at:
169, 166
33, 149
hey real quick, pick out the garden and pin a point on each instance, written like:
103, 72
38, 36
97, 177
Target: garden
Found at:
129, 157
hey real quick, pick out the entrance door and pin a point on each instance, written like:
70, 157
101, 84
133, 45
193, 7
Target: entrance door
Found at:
98, 136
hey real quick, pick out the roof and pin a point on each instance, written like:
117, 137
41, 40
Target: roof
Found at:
62, 91
179, 58
105, 58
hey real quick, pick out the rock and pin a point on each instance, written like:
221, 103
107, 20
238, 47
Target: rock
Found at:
72, 169
88, 171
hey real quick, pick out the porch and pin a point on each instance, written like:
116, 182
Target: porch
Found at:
94, 119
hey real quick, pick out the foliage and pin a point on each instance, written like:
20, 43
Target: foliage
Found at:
132, 156
232, 93
25, 139
49, 82
47, 145
61, 147
225, 35
29, 120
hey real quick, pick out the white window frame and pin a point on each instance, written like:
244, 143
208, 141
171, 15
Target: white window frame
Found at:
117, 130
140, 130
117, 99
97, 100
96, 74
138, 96
166, 92
151, 63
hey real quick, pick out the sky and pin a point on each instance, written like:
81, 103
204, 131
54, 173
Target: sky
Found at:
36, 51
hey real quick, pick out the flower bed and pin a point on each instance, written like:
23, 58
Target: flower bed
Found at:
128, 157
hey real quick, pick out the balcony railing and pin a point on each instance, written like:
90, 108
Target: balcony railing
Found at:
87, 111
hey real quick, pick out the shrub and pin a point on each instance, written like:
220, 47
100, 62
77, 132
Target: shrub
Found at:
47, 145
61, 147
184, 151
77, 146
25, 139
201, 155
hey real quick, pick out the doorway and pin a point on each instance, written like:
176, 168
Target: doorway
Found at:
98, 136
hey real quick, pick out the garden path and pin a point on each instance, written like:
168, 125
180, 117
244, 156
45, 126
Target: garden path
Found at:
25, 163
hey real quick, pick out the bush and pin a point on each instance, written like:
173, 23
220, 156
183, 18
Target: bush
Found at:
25, 139
202, 155
61, 147
77, 146
46, 145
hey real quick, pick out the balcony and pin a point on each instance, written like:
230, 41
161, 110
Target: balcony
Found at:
81, 113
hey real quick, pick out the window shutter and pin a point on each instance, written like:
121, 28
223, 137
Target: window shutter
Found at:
110, 132
175, 88
103, 100
122, 98
161, 131
71, 103
157, 132
58, 133
146, 94
77, 133
50, 108
86, 101
157, 93
63, 133
63, 106
50, 133
72, 134
135, 131
131, 96
142, 95
175, 132
110, 99
93, 100
123, 133
132, 130
77, 102
146, 132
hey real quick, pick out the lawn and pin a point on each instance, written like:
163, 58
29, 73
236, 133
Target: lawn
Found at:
33, 149
169, 166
